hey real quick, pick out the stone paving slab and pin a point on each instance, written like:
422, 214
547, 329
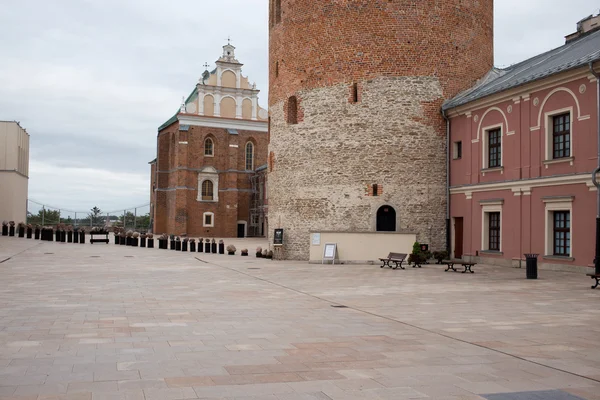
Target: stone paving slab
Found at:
114, 322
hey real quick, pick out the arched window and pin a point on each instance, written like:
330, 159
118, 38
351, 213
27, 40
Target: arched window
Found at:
386, 219
209, 147
249, 156
292, 110
207, 190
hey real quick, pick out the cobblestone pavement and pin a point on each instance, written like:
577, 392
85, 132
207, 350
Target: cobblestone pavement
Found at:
114, 322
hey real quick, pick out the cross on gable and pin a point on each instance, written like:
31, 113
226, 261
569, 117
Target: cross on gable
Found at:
206, 65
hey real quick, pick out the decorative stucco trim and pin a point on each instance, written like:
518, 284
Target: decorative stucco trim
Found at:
224, 123
524, 184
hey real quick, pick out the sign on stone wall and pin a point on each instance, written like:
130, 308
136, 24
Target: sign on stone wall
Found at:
278, 237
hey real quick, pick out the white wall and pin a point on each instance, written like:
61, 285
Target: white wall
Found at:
362, 247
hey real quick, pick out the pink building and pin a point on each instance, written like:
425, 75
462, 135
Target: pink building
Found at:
523, 145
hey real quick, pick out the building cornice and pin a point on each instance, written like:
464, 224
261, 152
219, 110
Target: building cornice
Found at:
525, 185
223, 123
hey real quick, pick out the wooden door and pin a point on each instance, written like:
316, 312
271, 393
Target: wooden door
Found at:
458, 237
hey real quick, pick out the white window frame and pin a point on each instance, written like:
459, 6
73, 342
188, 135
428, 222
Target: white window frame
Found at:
552, 204
209, 174
212, 219
549, 135
485, 145
488, 207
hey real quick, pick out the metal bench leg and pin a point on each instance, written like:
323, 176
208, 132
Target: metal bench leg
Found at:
468, 269
450, 267
385, 263
597, 282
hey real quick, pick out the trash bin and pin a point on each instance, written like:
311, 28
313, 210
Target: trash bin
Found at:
531, 263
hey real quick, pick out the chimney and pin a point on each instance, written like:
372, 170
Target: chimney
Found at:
584, 27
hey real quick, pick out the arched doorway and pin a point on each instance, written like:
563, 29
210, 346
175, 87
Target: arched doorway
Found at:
386, 219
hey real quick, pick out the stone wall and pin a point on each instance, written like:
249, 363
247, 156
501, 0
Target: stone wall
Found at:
324, 165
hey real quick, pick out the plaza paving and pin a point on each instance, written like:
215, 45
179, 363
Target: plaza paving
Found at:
114, 322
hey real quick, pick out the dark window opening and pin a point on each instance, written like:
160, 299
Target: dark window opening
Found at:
276, 69
277, 11
494, 149
354, 97
562, 233
457, 150
375, 190
494, 231
386, 219
292, 110
561, 136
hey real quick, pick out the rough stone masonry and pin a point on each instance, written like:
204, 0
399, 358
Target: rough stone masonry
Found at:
355, 95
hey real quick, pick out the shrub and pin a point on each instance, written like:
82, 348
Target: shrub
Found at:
231, 248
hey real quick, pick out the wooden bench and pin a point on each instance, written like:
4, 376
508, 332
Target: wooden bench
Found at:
105, 240
396, 258
451, 263
596, 277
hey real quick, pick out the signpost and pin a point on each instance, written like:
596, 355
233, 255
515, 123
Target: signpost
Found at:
278, 237
329, 252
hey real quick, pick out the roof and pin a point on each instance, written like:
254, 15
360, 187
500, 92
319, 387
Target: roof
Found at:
173, 119
572, 55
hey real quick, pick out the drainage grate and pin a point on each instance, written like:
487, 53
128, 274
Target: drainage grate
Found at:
94, 256
541, 395
338, 306
253, 268
128, 256
48, 253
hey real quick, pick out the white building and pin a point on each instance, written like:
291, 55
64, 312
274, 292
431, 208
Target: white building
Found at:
14, 171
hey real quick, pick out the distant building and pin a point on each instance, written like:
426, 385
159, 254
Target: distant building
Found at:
523, 145
14, 171
207, 154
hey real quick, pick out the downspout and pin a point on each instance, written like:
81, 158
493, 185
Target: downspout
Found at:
448, 235
596, 183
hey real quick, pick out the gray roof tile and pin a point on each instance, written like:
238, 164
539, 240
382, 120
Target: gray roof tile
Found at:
572, 55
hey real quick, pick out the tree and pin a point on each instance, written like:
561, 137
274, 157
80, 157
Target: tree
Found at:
44, 217
95, 215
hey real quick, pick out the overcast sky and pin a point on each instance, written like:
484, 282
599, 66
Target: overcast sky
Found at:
91, 80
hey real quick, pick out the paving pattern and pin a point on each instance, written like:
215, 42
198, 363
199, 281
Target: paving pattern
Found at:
113, 322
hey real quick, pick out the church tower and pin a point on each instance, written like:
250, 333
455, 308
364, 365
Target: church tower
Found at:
357, 139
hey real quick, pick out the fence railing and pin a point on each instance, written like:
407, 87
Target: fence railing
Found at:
135, 218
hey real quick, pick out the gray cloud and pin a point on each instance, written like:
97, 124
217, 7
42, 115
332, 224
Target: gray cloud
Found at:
92, 80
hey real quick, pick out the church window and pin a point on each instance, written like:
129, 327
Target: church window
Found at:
375, 189
249, 156
208, 219
292, 110
276, 69
207, 190
208, 147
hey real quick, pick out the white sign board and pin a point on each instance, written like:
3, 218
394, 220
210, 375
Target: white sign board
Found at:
316, 239
329, 252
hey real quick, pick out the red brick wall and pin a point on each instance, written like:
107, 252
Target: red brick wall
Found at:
323, 43
177, 209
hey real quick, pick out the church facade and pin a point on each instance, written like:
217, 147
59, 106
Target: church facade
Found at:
207, 154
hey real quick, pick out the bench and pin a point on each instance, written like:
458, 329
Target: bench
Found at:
451, 263
596, 277
92, 240
396, 258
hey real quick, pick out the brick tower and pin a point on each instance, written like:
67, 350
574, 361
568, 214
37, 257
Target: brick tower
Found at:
356, 88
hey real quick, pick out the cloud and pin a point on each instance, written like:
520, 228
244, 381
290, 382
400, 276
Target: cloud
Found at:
92, 80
